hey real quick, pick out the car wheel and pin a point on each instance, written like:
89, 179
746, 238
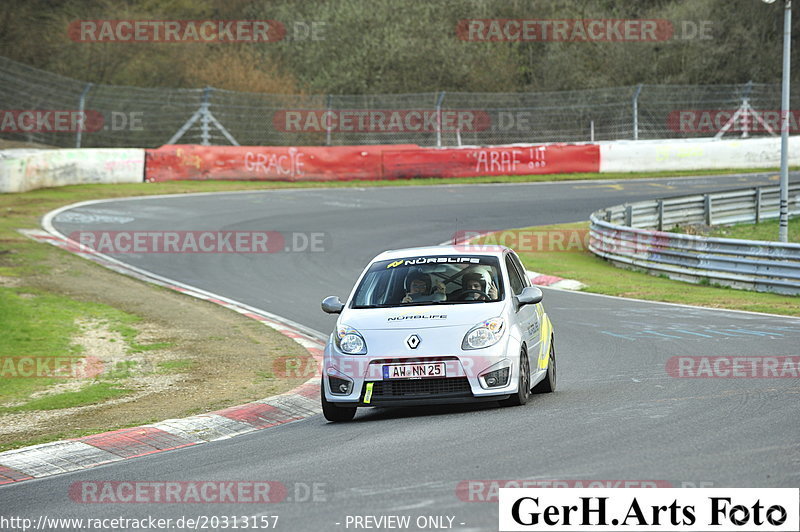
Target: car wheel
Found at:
523, 383
549, 383
333, 412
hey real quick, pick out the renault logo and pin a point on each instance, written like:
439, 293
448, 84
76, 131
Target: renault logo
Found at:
413, 341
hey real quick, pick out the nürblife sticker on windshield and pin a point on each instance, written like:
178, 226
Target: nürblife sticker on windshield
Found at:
433, 260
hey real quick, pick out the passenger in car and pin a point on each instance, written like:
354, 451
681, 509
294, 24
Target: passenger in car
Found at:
420, 289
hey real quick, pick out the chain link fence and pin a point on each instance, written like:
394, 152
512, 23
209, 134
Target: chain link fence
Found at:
120, 116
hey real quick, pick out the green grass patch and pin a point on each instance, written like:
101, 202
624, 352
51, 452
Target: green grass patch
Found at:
603, 278
92, 394
767, 230
176, 366
39, 325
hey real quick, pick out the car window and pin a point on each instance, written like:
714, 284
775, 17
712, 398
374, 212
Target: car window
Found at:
430, 280
515, 259
517, 284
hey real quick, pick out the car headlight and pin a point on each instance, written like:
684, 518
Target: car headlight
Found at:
484, 334
350, 341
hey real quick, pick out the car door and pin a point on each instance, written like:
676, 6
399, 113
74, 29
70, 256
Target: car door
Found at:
527, 316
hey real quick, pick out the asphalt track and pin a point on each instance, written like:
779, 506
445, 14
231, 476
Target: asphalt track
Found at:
616, 414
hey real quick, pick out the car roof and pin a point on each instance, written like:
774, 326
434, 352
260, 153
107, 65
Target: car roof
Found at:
459, 250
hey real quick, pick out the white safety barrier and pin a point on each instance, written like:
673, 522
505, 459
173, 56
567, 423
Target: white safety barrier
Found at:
23, 170
695, 154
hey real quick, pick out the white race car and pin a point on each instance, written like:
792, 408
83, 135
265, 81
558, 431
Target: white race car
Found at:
444, 324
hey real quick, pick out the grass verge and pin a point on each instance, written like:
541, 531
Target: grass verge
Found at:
767, 230
38, 340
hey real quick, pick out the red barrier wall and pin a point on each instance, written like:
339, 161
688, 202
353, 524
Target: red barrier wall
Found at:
267, 163
317, 163
511, 160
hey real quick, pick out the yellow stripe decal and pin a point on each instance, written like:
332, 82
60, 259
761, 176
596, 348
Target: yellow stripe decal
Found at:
544, 343
368, 393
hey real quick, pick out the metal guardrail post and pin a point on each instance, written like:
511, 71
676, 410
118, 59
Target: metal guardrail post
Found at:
608, 215
439, 101
81, 105
758, 205
707, 208
629, 215
205, 129
660, 225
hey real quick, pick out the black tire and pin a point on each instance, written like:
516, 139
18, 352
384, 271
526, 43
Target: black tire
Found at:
333, 412
549, 383
523, 383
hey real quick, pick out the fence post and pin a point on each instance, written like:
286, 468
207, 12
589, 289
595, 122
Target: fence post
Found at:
707, 208
81, 105
439, 101
328, 129
758, 204
746, 118
660, 225
591, 131
205, 119
636, 111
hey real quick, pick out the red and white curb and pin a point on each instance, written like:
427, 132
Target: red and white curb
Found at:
551, 281
89, 451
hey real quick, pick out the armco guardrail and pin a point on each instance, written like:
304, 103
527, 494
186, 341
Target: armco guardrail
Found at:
633, 236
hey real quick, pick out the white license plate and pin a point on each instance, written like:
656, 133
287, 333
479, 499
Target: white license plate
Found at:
414, 371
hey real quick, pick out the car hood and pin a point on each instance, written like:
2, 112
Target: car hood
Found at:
420, 317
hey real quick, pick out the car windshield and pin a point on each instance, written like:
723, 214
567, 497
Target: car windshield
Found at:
431, 280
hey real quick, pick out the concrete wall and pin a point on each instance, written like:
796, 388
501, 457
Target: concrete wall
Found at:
24, 169
695, 154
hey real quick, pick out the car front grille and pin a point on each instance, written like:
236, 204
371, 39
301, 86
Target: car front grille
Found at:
415, 388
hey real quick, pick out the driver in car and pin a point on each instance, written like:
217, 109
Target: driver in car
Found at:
419, 289
473, 282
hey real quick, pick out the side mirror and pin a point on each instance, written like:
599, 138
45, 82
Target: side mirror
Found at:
332, 305
529, 296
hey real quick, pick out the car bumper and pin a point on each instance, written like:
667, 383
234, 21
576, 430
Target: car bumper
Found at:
461, 384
